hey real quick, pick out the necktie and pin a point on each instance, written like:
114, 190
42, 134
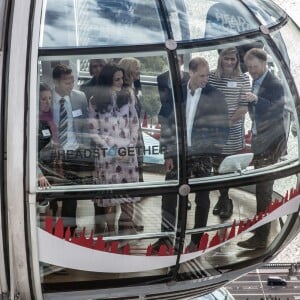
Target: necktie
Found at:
255, 87
63, 123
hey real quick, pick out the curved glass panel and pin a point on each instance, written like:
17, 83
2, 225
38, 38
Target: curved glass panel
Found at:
224, 240
101, 248
90, 23
155, 124
113, 145
118, 249
119, 229
224, 138
3, 5
284, 40
100, 23
267, 12
287, 36
209, 19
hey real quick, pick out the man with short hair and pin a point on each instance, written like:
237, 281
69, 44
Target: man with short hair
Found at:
207, 127
266, 107
70, 114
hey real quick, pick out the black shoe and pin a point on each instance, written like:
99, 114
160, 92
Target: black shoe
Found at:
139, 228
162, 241
255, 242
126, 227
226, 210
218, 207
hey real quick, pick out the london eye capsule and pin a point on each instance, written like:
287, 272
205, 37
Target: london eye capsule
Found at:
147, 143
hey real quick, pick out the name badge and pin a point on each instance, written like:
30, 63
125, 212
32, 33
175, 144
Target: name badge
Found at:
46, 133
76, 113
232, 84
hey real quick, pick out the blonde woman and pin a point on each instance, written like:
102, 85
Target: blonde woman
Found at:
131, 67
234, 84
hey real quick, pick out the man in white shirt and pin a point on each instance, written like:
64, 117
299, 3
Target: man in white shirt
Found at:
207, 127
70, 114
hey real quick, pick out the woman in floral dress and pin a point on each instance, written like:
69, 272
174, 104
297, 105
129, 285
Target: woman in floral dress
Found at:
114, 128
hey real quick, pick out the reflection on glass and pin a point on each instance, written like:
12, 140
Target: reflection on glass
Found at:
285, 39
105, 148
242, 98
90, 23
92, 255
2, 14
206, 132
212, 19
67, 156
206, 126
267, 12
224, 243
265, 100
220, 246
235, 85
47, 133
114, 128
147, 210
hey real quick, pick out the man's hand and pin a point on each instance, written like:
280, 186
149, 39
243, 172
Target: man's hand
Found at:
169, 164
250, 97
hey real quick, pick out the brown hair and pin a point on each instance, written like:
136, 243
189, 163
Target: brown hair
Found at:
60, 70
256, 53
196, 62
44, 87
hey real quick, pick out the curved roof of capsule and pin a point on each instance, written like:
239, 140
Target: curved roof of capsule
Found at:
107, 23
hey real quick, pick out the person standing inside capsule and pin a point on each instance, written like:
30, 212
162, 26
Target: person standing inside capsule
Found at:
114, 128
229, 79
266, 107
131, 67
132, 84
70, 114
206, 127
47, 133
95, 68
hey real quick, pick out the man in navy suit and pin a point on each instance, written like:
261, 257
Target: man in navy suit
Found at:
206, 119
266, 107
73, 135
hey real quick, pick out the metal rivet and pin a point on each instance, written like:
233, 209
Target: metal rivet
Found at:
184, 190
264, 29
171, 44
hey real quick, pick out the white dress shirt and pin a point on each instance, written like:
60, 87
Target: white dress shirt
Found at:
191, 106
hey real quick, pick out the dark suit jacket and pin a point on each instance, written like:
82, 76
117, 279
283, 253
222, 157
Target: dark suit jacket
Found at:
88, 86
270, 140
210, 127
165, 93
